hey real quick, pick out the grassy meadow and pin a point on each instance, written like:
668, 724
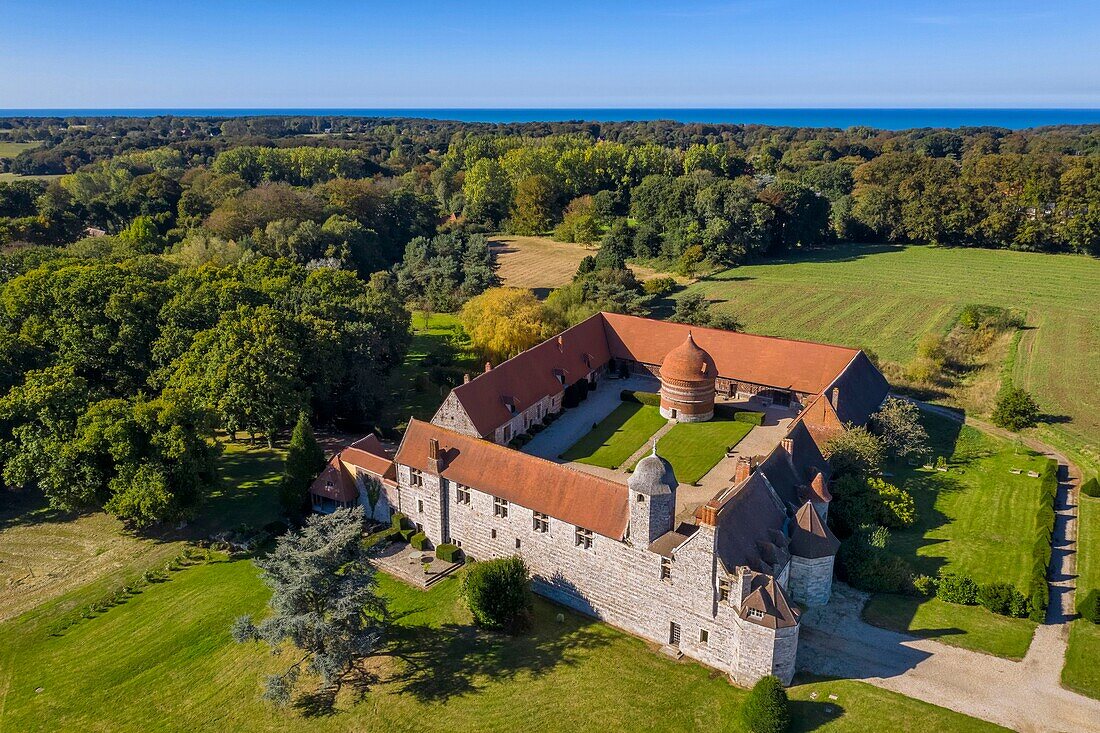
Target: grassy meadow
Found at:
618, 436
977, 519
1082, 670
10, 149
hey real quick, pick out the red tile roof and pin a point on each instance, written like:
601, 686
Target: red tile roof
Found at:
774, 362
688, 363
562, 492
335, 482
369, 454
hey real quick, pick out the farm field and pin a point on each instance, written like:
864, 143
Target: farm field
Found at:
8, 177
617, 436
695, 448
541, 264
10, 150
977, 519
1082, 673
884, 298
164, 661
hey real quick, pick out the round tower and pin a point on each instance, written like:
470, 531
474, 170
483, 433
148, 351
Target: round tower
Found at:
687, 383
652, 489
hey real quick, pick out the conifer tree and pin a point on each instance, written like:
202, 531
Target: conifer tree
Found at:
304, 460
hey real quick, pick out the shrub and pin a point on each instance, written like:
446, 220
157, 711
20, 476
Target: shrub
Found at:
955, 588
1015, 409
659, 286
407, 534
1091, 488
753, 418
1038, 597
447, 552
418, 541
1089, 606
766, 708
497, 593
397, 521
896, 508
646, 398
855, 452
866, 563
1002, 599
925, 585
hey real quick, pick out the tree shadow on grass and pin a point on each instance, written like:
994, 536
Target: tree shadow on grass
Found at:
809, 715
453, 660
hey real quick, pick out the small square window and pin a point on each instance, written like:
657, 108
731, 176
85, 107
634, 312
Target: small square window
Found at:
704, 636
755, 613
641, 498
517, 543
666, 569
420, 506
500, 507
583, 538
541, 522
415, 477
723, 590
462, 494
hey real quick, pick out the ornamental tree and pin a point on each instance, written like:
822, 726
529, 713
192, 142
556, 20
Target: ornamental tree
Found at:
1016, 409
324, 600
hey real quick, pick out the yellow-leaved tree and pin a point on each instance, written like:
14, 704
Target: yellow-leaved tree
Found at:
501, 322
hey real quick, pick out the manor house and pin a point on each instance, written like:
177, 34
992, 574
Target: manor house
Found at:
721, 580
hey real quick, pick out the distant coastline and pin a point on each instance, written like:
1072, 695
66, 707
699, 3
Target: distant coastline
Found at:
881, 118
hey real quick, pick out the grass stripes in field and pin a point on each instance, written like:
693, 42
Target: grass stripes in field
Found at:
617, 436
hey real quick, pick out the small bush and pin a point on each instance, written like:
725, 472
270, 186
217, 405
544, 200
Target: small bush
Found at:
954, 588
925, 585
418, 541
407, 534
659, 286
397, 521
1089, 606
447, 552
652, 399
766, 709
1002, 599
1091, 488
497, 593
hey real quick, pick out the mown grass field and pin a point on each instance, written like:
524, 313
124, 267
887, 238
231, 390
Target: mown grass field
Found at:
885, 298
617, 436
164, 661
977, 519
1082, 670
10, 149
695, 448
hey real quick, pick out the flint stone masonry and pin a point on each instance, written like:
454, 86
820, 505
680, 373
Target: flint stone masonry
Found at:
811, 580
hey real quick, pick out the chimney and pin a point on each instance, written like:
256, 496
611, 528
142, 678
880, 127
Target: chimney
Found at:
488, 366
742, 470
434, 464
561, 343
466, 378
745, 584
788, 445
707, 515
836, 398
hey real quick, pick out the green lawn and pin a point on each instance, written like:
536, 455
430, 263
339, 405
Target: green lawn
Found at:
693, 448
978, 519
1082, 670
164, 661
438, 355
617, 436
9, 149
885, 298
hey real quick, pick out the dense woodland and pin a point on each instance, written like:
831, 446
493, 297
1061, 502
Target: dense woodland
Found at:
184, 276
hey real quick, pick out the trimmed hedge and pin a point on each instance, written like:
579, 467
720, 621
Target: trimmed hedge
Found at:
407, 534
652, 399
397, 521
1089, 606
418, 541
752, 418
1091, 488
1038, 593
448, 552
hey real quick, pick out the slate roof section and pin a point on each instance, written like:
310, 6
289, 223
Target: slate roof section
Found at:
862, 390
572, 496
790, 473
669, 541
653, 476
748, 522
810, 537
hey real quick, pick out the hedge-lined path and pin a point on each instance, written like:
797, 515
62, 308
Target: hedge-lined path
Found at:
1026, 696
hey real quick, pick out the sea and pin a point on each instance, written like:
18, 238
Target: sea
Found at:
881, 118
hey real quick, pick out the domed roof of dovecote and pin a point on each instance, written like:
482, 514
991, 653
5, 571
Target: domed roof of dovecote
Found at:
653, 476
688, 362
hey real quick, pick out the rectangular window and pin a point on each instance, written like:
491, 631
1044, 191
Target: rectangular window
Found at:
500, 507
754, 613
415, 477
492, 534
420, 506
583, 538
462, 494
723, 590
541, 522
704, 636
517, 543
666, 569
507, 433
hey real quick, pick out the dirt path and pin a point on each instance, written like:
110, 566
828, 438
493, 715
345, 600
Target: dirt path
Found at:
1025, 695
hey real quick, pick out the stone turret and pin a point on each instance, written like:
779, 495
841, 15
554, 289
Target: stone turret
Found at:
652, 489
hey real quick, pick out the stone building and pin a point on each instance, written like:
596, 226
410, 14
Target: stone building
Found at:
723, 588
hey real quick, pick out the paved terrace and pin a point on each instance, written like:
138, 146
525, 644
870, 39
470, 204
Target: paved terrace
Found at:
577, 422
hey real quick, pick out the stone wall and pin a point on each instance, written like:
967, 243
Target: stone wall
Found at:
811, 581
614, 581
452, 415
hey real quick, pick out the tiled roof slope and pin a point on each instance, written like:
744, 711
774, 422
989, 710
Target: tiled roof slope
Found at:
527, 378
369, 454
768, 598
562, 492
343, 485
799, 365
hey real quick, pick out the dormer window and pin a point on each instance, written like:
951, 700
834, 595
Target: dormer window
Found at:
329, 484
755, 613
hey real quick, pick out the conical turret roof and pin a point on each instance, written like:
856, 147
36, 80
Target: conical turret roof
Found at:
688, 362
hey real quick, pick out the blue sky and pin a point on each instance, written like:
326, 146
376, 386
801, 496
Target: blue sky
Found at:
748, 53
